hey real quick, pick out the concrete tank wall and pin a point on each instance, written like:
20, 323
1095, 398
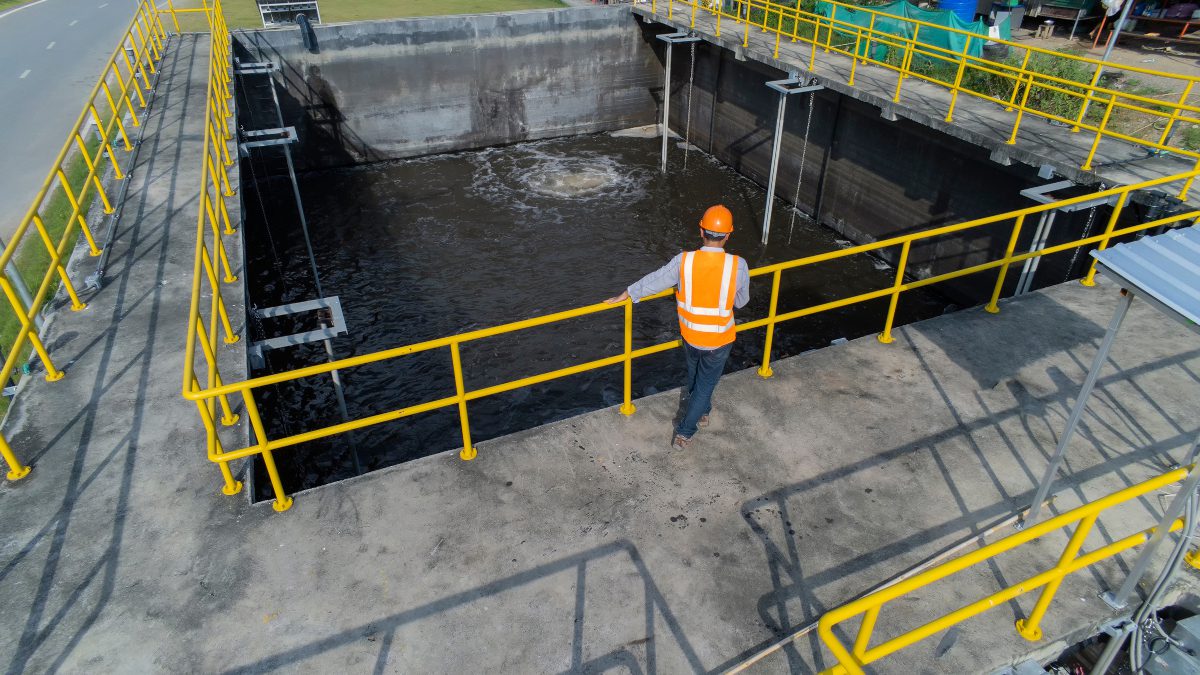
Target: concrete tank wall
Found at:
381, 90
864, 176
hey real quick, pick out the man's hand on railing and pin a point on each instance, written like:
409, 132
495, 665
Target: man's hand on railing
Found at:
618, 298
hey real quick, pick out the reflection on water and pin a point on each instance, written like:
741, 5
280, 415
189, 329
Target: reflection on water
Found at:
425, 248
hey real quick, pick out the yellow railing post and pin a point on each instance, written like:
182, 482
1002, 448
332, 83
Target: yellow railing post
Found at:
1090, 279
468, 451
56, 260
93, 174
1087, 163
627, 408
77, 212
174, 16
1175, 114
870, 34
905, 63
106, 145
992, 307
1087, 99
282, 501
28, 330
1012, 99
694, 3
958, 76
1030, 627
854, 59
886, 336
1012, 139
863, 640
1187, 186
231, 486
765, 371
16, 470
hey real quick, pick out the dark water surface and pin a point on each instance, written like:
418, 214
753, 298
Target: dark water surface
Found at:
431, 247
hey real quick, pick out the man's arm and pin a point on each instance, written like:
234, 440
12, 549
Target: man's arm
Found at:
659, 280
743, 284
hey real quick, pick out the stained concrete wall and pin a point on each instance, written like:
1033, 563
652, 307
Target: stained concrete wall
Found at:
389, 89
864, 176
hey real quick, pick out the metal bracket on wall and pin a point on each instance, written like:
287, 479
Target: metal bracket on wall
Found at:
1042, 195
786, 87
254, 68
329, 310
265, 137
671, 39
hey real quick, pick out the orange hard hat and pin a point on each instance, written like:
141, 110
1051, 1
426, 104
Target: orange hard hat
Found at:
717, 219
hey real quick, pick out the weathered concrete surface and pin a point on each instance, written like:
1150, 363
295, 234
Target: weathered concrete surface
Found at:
976, 121
584, 545
388, 89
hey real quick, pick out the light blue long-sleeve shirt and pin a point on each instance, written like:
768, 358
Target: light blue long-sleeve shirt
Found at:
667, 276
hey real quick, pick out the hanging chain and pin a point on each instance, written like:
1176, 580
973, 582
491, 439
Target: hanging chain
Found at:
687, 127
1087, 232
803, 158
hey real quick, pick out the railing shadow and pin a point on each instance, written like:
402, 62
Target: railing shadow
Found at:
82, 590
781, 519
637, 656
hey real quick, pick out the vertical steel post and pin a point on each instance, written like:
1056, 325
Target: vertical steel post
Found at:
777, 141
1080, 404
664, 128
627, 407
1174, 510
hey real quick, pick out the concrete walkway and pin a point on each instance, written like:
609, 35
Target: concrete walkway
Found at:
976, 121
585, 545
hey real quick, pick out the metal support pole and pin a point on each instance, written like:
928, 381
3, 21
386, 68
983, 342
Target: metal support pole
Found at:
1117, 600
1116, 640
778, 141
664, 128
1045, 225
1080, 404
1108, 49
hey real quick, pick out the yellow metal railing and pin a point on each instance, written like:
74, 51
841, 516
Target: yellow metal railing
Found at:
48, 231
1023, 83
211, 263
1070, 561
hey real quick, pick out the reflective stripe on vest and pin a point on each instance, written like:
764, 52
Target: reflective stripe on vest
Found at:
706, 320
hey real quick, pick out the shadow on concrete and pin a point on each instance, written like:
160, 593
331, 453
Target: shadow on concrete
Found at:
629, 657
141, 234
770, 516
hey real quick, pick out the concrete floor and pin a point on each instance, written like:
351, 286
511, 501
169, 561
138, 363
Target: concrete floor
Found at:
585, 545
977, 121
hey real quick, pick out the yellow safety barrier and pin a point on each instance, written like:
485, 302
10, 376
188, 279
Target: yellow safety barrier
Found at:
1026, 81
118, 97
1070, 561
212, 261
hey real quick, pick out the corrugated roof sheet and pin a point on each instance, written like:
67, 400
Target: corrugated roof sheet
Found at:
1165, 267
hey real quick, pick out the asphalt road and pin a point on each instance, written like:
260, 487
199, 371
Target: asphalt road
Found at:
51, 54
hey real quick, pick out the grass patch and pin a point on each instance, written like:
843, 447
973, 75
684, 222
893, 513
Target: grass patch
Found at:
244, 13
9, 4
32, 260
1191, 138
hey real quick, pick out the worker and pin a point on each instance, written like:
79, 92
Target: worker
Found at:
709, 284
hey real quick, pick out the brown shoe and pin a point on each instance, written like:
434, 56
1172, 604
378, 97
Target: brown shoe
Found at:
680, 442
703, 422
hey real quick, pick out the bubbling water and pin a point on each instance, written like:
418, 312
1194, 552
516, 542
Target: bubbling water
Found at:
514, 174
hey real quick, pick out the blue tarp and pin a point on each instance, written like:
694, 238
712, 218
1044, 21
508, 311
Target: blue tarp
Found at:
903, 10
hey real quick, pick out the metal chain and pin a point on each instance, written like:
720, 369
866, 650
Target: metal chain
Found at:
1087, 232
687, 128
803, 158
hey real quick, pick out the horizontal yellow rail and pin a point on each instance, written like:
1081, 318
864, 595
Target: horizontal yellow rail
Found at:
47, 231
1070, 561
834, 34
211, 263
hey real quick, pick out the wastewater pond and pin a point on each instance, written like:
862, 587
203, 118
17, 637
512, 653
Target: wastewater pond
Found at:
427, 248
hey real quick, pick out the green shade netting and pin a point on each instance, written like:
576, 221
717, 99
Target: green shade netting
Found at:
928, 35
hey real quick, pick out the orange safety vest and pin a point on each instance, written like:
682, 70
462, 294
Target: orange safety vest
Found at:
707, 286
